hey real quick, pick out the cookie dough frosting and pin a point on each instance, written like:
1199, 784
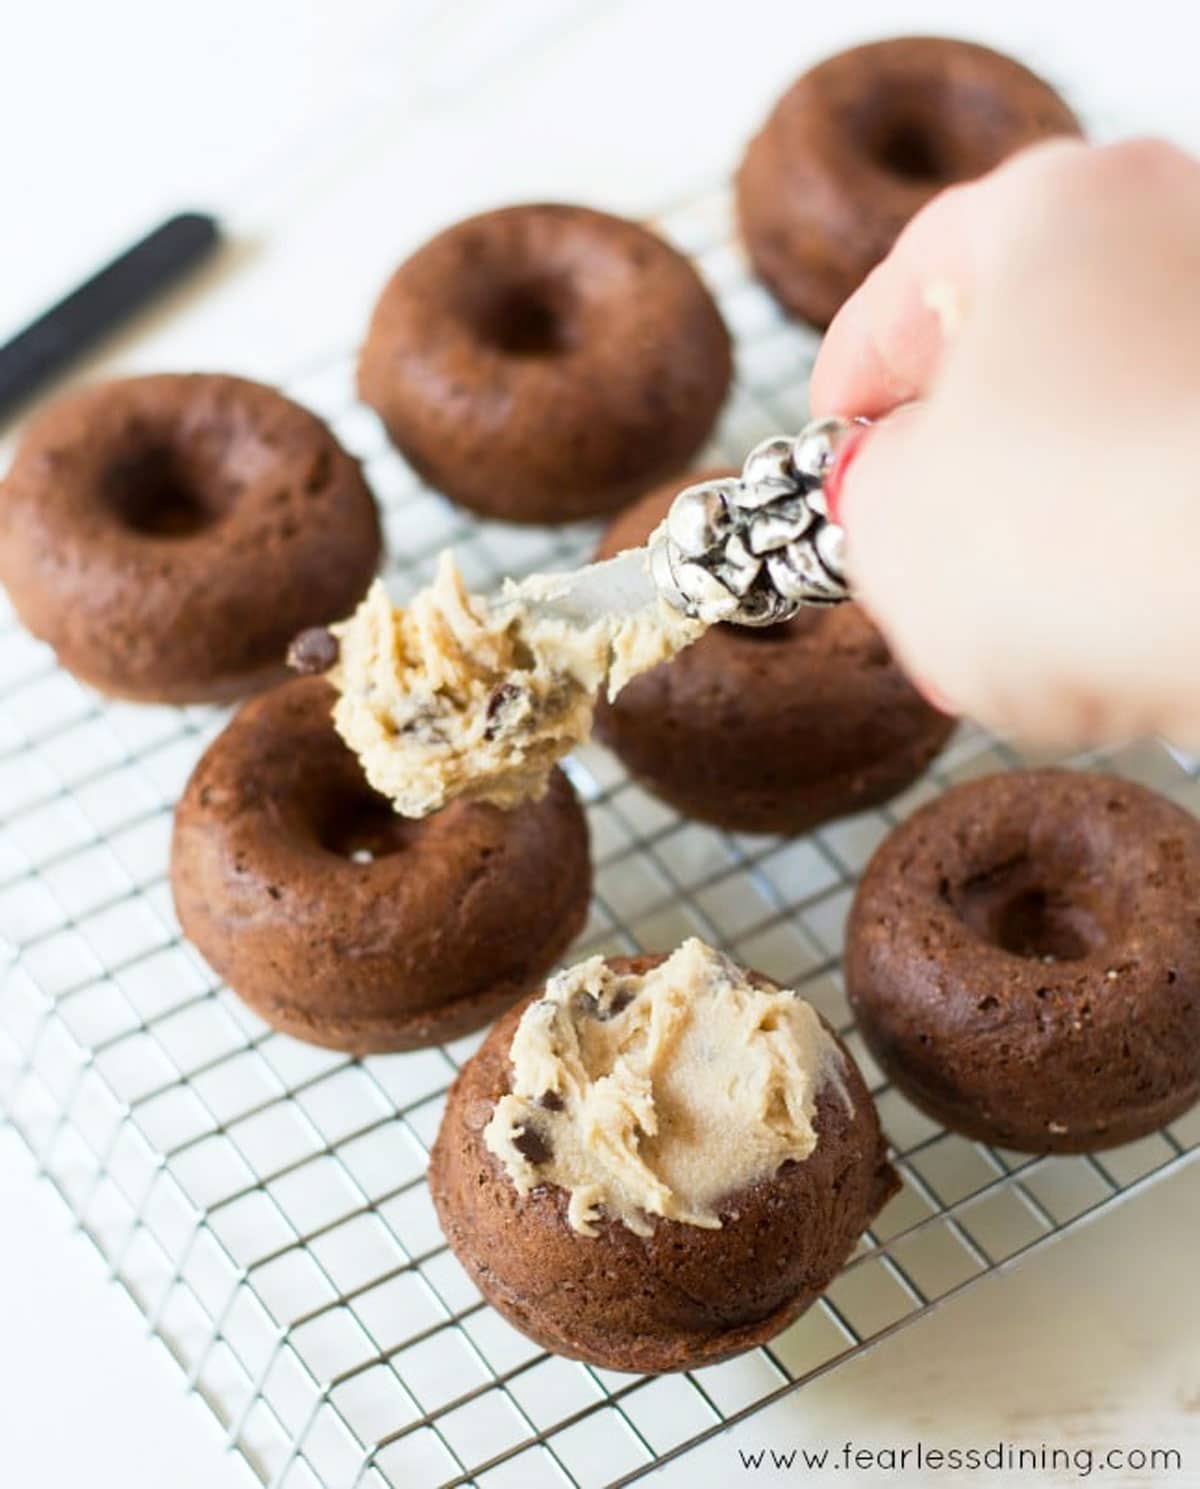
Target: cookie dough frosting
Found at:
660, 1094
460, 695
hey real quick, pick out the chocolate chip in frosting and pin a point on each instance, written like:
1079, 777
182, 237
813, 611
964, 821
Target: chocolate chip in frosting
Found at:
618, 1003
530, 1143
313, 651
500, 701
597, 1008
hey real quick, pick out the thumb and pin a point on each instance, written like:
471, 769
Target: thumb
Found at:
891, 555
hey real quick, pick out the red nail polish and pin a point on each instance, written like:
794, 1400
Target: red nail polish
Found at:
837, 474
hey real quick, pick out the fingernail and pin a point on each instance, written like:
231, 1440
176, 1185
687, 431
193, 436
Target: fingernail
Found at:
835, 481
837, 474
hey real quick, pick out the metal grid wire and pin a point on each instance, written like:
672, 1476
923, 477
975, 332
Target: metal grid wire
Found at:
263, 1201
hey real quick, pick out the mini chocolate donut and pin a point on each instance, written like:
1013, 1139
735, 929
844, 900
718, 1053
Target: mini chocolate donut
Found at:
1023, 957
349, 926
857, 145
544, 363
681, 1295
169, 535
771, 729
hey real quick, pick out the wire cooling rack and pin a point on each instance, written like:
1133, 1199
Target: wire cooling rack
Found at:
263, 1202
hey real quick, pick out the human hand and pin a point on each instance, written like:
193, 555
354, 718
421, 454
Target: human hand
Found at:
1027, 535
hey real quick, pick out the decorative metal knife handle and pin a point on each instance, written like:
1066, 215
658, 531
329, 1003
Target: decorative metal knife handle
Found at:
754, 548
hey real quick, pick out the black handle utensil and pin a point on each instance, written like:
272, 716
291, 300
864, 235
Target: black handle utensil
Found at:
102, 303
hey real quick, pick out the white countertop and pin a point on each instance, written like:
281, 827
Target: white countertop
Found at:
333, 138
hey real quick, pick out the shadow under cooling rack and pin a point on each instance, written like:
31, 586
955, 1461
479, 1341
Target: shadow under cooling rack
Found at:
264, 1202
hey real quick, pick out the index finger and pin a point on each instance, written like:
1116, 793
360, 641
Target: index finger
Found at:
885, 344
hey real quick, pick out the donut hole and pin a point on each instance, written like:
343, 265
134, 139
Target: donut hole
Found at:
1039, 923
922, 132
910, 149
527, 318
155, 493
363, 827
1040, 911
